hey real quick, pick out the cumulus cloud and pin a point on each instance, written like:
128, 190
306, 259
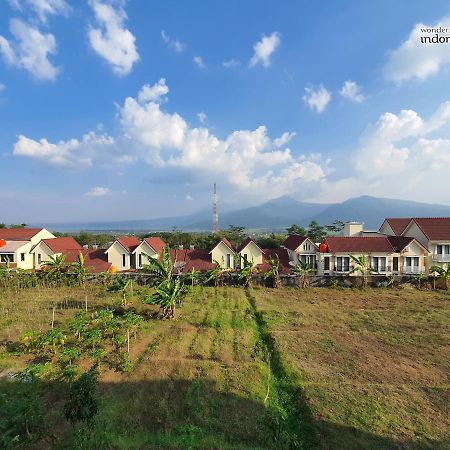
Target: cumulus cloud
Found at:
72, 153
283, 139
98, 191
42, 8
30, 50
317, 98
110, 39
352, 91
201, 117
416, 60
264, 49
198, 60
174, 44
155, 93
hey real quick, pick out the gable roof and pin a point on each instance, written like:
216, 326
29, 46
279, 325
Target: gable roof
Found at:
434, 228
18, 234
129, 243
244, 244
352, 244
397, 224
294, 241
225, 241
61, 244
94, 260
283, 257
156, 243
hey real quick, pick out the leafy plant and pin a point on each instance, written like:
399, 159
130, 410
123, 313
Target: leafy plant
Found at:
303, 269
443, 274
361, 265
273, 273
246, 272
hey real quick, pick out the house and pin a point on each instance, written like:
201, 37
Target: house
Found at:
223, 253
249, 250
432, 232
301, 249
150, 247
18, 243
121, 253
386, 255
47, 248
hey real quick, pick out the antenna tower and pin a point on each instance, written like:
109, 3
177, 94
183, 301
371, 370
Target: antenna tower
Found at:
215, 226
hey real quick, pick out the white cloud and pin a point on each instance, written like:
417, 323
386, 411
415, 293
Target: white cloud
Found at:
98, 191
155, 93
416, 60
264, 49
174, 44
2, 87
201, 117
317, 98
42, 8
30, 50
198, 60
352, 91
230, 63
111, 40
71, 153
283, 139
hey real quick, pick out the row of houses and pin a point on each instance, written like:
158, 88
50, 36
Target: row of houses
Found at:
400, 247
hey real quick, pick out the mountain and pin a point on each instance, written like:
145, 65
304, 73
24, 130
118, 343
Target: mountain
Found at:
276, 214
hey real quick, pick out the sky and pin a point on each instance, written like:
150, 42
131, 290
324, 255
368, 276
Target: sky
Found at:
116, 110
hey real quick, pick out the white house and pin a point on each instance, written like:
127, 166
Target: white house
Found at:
301, 249
150, 247
121, 253
223, 253
47, 248
249, 250
16, 245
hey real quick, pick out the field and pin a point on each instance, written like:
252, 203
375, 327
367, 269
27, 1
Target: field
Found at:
252, 369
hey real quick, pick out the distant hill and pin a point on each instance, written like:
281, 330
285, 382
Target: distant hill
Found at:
277, 214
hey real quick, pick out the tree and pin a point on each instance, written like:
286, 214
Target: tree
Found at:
361, 266
296, 229
193, 276
316, 232
55, 266
274, 272
121, 284
161, 269
302, 270
420, 278
80, 268
443, 274
271, 241
82, 404
336, 226
235, 234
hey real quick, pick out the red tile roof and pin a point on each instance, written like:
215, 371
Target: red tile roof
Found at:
244, 244
95, 260
61, 244
198, 259
156, 243
337, 244
282, 255
398, 225
18, 234
227, 243
434, 228
129, 242
294, 241
399, 243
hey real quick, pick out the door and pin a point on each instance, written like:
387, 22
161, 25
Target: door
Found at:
395, 263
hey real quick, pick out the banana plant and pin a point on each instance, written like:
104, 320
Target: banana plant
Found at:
420, 278
361, 265
215, 274
161, 269
274, 272
55, 267
121, 285
302, 269
80, 269
194, 277
246, 273
443, 274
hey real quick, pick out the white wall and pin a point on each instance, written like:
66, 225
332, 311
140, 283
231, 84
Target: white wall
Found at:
253, 253
114, 253
219, 254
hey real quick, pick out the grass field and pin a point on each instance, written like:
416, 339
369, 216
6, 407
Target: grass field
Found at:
262, 368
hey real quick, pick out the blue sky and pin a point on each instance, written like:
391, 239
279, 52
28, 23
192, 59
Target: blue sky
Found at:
115, 110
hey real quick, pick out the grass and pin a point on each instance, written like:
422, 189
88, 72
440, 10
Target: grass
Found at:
253, 369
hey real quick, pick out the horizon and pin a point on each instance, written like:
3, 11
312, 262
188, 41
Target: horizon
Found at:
139, 113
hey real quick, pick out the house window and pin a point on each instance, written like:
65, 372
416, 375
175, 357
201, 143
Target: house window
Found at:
379, 264
6, 257
326, 263
306, 247
124, 260
342, 264
443, 249
395, 263
412, 261
228, 260
140, 259
22, 256
39, 258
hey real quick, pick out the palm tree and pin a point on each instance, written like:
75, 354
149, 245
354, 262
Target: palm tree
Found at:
362, 266
166, 296
302, 269
274, 272
443, 274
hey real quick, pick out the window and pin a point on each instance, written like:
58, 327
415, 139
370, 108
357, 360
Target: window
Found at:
244, 259
39, 258
140, 259
22, 256
228, 260
6, 257
124, 260
342, 264
412, 261
395, 263
379, 264
443, 249
326, 263
306, 247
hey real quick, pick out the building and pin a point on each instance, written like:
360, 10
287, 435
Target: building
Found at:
18, 243
150, 247
46, 249
249, 250
301, 249
223, 254
121, 253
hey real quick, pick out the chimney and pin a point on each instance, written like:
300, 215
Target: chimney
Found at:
180, 247
95, 246
191, 247
353, 229
85, 246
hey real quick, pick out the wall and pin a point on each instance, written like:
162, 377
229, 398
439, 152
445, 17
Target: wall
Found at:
219, 253
253, 253
115, 252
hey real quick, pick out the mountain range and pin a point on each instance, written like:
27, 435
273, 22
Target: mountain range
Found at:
277, 214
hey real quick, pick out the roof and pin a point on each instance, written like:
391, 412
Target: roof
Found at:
198, 259
61, 244
129, 243
94, 260
294, 241
225, 241
18, 234
283, 257
244, 244
352, 244
398, 225
12, 246
434, 228
400, 242
156, 243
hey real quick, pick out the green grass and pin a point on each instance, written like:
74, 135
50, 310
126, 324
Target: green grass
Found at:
316, 368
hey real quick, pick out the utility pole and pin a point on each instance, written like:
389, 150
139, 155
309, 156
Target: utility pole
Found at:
215, 227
